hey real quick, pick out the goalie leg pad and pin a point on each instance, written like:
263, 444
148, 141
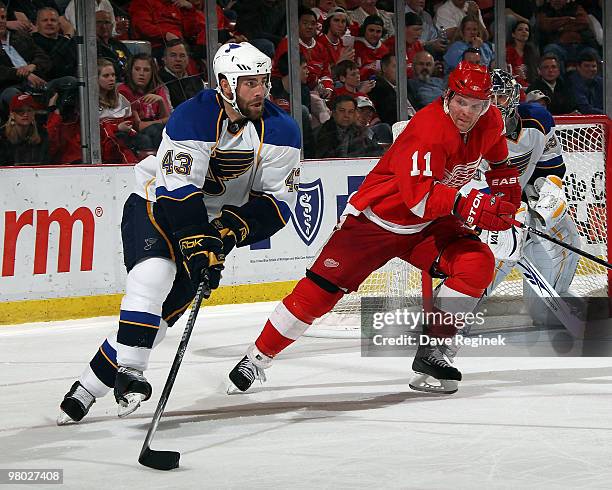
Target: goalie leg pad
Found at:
556, 264
294, 315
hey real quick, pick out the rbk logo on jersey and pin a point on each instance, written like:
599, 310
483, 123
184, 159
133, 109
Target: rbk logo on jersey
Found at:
308, 213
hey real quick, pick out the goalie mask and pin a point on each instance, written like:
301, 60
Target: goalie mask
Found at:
235, 60
506, 93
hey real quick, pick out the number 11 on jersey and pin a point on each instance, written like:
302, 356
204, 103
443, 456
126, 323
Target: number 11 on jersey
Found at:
415, 165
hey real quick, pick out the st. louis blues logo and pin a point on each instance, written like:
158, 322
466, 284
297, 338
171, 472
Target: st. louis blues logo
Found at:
308, 213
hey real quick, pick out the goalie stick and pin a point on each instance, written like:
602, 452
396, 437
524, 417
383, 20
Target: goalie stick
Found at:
168, 460
582, 253
555, 303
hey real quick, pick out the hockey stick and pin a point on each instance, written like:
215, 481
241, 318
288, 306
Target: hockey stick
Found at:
168, 460
550, 297
582, 253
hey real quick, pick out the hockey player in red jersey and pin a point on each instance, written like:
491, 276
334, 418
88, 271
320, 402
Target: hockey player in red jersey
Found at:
409, 207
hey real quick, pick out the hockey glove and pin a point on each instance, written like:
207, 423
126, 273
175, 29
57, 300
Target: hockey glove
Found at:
484, 211
507, 245
505, 181
231, 228
202, 249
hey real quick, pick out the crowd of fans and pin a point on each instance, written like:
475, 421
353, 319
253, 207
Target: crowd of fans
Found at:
151, 58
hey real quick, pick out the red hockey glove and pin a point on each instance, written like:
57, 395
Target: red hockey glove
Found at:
485, 211
505, 180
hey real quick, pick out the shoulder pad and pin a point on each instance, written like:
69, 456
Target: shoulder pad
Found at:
534, 115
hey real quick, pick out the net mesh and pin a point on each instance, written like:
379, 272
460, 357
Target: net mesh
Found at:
584, 151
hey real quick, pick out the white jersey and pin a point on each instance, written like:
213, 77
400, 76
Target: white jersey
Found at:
533, 145
199, 152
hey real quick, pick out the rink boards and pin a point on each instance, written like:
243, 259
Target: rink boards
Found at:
61, 245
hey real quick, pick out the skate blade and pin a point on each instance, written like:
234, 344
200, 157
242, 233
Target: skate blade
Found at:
428, 384
64, 419
232, 389
129, 404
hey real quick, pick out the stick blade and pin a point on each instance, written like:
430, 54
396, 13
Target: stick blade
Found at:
159, 460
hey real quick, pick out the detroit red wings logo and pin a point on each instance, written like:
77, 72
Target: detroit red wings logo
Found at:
461, 173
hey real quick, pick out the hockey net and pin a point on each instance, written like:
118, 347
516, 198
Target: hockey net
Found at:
584, 141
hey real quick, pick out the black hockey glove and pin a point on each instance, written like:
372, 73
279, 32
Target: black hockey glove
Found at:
231, 228
202, 249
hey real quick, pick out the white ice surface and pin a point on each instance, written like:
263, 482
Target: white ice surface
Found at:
326, 418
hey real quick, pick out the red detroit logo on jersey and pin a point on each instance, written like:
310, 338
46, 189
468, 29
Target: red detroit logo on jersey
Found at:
460, 173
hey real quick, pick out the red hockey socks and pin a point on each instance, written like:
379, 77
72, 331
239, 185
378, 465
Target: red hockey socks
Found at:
294, 315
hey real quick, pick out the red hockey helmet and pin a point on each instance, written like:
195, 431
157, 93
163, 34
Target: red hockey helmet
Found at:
470, 80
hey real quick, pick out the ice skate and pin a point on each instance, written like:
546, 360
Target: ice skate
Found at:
433, 373
250, 368
131, 389
75, 405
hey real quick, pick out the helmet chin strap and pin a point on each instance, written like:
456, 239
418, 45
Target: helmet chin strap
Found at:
233, 102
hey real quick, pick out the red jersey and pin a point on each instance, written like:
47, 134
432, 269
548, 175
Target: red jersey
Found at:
368, 57
411, 51
325, 54
417, 179
315, 70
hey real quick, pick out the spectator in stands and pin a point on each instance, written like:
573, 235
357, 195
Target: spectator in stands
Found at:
551, 83
160, 21
435, 41
116, 120
321, 11
263, 22
367, 118
23, 65
587, 84
384, 94
105, 5
64, 126
317, 72
181, 86
413, 30
469, 35
536, 96
22, 142
425, 87
450, 14
149, 100
108, 47
24, 12
369, 48
347, 74
330, 49
341, 136
281, 97
564, 30
522, 55
61, 49
367, 8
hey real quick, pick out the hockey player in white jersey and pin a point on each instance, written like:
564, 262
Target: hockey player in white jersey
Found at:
224, 175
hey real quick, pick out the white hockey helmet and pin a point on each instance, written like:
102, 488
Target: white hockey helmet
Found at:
234, 60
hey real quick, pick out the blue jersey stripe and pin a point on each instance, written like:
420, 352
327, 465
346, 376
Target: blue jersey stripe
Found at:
139, 317
179, 194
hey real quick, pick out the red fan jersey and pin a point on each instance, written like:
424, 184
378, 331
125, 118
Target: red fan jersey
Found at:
316, 71
325, 54
368, 57
418, 178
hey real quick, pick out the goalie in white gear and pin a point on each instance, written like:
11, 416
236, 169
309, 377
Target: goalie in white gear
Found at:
535, 150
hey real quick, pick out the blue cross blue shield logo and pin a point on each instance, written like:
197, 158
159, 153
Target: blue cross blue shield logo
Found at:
308, 213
